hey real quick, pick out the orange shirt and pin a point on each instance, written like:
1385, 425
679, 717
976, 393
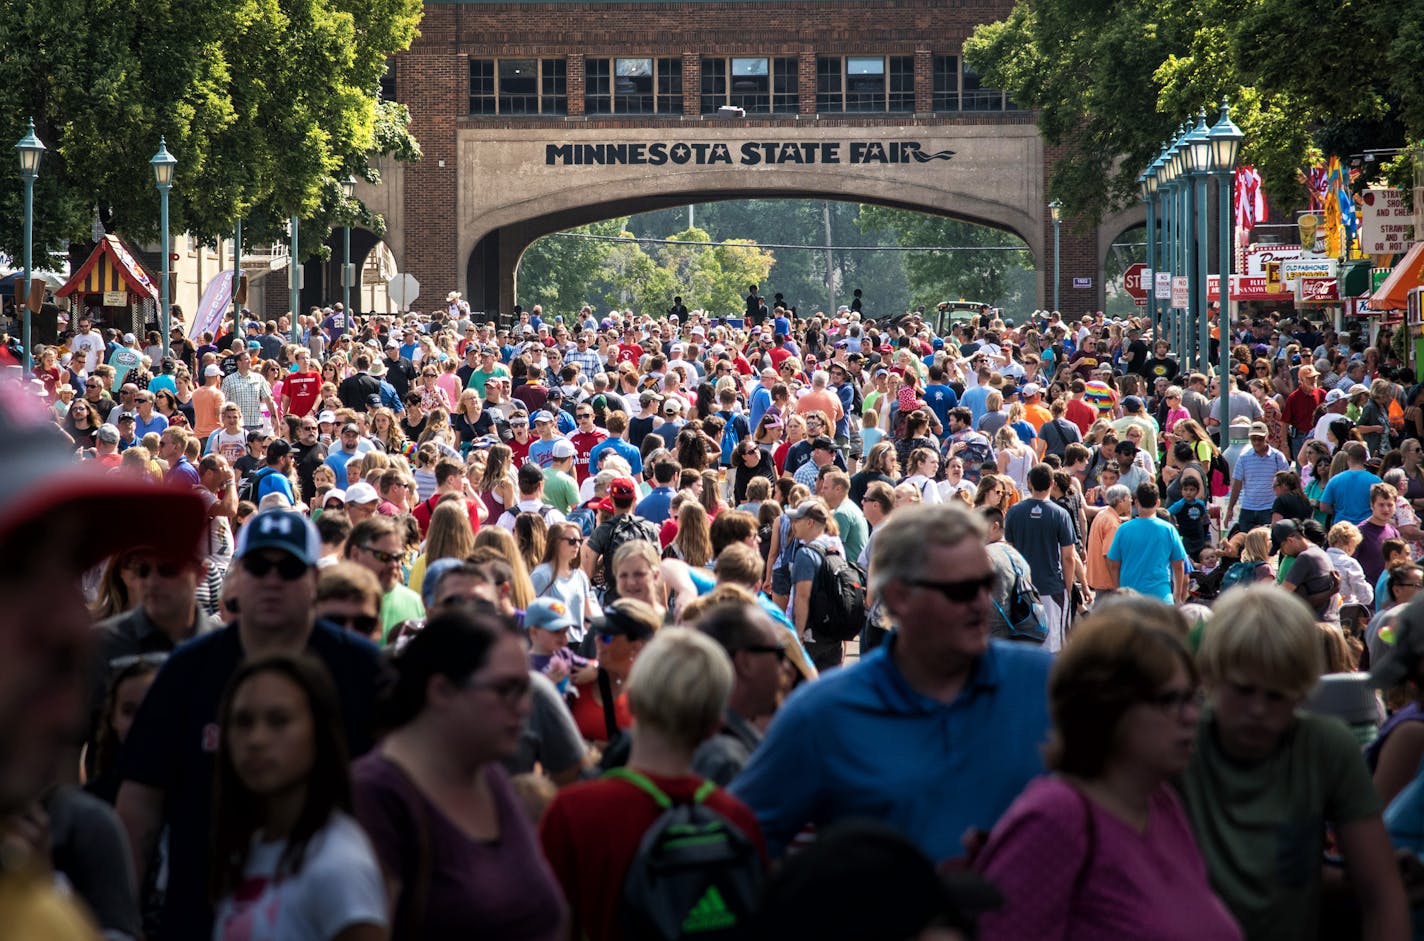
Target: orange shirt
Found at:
1100, 537
1037, 414
207, 406
826, 401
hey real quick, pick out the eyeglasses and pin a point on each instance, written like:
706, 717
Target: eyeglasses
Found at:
1178, 701
360, 623
962, 591
161, 569
385, 558
778, 650
511, 691
289, 567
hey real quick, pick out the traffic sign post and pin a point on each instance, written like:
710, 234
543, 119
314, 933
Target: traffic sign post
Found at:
403, 289
1134, 281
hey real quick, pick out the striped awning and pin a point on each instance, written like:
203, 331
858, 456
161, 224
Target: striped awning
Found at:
110, 268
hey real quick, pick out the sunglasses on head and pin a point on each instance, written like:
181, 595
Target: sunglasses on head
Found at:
962, 591
289, 567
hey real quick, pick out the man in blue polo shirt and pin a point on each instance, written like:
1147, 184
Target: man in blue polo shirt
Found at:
1347, 495
937, 730
1253, 481
656, 507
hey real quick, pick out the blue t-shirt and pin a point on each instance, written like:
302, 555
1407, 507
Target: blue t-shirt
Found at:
1192, 518
1145, 547
541, 452
657, 505
975, 399
838, 750
940, 399
1348, 494
618, 446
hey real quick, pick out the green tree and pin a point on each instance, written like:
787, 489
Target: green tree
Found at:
1111, 79
565, 271
267, 104
993, 276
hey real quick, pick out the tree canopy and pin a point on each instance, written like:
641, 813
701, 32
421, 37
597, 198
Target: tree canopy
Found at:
1112, 80
267, 104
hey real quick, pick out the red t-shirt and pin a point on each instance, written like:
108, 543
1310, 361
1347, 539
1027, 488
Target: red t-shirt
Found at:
588, 713
779, 355
521, 451
1080, 413
584, 442
304, 388
424, 508
591, 832
629, 353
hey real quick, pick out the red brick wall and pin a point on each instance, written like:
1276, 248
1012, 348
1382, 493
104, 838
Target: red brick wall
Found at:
433, 78
1078, 256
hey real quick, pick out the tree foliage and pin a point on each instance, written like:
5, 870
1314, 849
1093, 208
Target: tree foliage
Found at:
1112, 79
267, 104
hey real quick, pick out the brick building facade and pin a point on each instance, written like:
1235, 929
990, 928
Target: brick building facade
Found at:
494, 90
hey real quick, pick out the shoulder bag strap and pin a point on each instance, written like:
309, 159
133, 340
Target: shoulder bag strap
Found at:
610, 715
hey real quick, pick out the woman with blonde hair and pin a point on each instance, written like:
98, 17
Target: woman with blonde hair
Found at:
497, 487
386, 431
637, 573
501, 540
1256, 552
693, 542
1014, 457
450, 537
531, 533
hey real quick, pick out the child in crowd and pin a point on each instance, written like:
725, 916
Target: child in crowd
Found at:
1192, 517
548, 623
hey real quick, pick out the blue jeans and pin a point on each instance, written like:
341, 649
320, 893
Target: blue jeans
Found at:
1250, 519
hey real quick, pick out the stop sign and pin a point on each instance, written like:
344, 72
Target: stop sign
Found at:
1132, 281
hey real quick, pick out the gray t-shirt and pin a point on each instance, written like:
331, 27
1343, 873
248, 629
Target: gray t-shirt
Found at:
550, 736
1039, 529
1006, 559
1311, 571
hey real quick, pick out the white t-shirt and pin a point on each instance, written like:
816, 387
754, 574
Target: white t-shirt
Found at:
339, 885
91, 345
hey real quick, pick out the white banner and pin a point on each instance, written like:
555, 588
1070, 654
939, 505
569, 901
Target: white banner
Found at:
217, 300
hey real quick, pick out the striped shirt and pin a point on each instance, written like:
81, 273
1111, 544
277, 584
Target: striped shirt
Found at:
1257, 473
248, 393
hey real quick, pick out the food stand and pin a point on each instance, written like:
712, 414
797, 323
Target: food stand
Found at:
114, 289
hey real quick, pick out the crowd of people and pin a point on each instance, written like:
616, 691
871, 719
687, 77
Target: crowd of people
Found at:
415, 626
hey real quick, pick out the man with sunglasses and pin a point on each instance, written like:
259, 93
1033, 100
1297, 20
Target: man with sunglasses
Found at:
167, 761
937, 730
376, 545
757, 649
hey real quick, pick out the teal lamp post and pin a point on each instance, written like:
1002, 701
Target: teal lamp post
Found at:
1198, 163
163, 164
348, 190
30, 149
1055, 212
1225, 138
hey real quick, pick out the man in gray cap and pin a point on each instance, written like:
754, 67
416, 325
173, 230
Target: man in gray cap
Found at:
1253, 480
167, 763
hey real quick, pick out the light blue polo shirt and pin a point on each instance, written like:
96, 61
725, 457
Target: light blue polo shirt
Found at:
860, 742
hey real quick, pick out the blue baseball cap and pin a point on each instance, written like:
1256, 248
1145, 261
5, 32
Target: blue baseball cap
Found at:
281, 529
549, 614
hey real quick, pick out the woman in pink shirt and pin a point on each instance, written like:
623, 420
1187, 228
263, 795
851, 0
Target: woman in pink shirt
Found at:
1102, 848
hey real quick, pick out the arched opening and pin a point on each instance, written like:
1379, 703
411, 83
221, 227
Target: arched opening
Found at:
823, 246
1127, 248
374, 265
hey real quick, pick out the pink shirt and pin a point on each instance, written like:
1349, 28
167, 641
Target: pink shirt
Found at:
1131, 886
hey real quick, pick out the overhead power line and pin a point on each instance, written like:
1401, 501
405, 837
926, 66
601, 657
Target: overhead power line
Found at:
809, 248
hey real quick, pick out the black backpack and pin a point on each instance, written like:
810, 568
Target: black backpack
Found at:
626, 527
248, 490
696, 874
837, 609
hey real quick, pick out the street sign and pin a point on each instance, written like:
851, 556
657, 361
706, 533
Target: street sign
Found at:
1082, 284
403, 289
1133, 281
1181, 292
1162, 285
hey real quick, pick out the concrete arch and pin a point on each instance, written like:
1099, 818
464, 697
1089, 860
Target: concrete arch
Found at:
988, 175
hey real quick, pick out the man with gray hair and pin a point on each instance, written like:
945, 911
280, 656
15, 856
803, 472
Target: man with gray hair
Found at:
936, 730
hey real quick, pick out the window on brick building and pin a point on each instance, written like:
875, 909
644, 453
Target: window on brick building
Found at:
975, 97
865, 83
386, 91
633, 86
758, 85
946, 83
518, 86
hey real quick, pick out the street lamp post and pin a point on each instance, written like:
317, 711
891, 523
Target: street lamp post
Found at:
348, 190
1159, 239
1200, 158
1148, 182
1172, 204
1225, 138
163, 164
1055, 212
31, 149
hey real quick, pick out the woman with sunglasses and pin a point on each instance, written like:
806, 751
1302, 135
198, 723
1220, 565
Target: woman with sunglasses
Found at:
749, 461
288, 860
1124, 698
460, 857
560, 576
